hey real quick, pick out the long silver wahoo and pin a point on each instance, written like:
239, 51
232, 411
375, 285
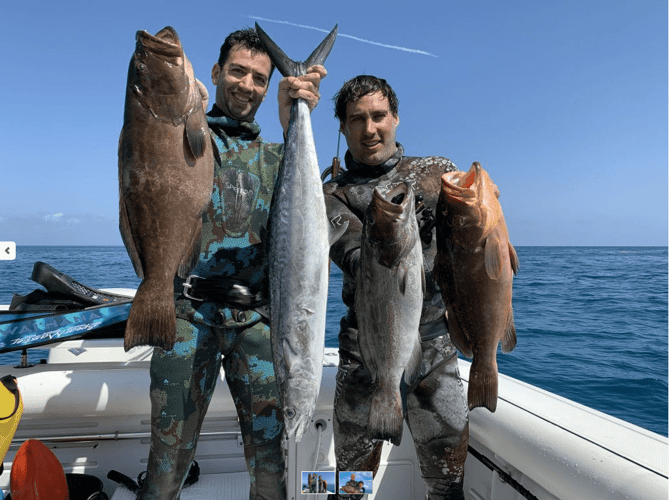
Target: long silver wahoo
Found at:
299, 234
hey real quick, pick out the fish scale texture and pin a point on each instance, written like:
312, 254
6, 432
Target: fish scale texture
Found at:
298, 273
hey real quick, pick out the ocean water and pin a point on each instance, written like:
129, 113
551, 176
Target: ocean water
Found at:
591, 321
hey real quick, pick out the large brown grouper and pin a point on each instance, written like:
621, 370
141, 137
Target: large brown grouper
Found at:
166, 169
388, 304
474, 268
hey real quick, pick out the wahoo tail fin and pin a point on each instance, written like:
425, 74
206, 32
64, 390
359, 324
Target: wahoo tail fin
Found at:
288, 67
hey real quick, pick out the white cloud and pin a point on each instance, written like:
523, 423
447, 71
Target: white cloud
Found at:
61, 218
61, 229
54, 217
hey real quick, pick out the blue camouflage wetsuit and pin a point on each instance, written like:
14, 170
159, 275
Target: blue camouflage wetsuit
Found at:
183, 379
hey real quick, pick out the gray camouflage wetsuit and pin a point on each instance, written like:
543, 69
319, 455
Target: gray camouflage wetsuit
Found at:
437, 412
183, 379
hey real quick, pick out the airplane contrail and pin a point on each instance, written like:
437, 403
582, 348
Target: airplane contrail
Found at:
405, 49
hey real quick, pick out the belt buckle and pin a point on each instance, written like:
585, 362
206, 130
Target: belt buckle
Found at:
188, 285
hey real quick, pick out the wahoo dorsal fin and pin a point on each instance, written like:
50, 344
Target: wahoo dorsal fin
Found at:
288, 67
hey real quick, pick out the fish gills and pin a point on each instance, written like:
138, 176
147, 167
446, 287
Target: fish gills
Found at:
299, 235
166, 169
388, 303
474, 269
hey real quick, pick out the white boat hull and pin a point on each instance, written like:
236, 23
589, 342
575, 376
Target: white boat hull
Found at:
89, 403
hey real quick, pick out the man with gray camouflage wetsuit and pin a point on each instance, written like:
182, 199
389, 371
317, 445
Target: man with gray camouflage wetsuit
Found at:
436, 406
217, 307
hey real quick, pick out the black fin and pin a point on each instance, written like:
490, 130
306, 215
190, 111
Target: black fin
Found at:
128, 239
288, 67
196, 134
191, 254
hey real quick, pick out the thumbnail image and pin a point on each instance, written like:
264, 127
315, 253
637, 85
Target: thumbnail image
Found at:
320, 481
355, 482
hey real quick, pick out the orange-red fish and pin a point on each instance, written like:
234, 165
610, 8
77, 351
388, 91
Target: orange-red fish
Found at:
474, 268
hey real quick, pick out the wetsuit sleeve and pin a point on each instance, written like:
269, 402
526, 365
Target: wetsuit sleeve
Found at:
345, 252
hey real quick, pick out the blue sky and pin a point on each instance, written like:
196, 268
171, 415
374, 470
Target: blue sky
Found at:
563, 102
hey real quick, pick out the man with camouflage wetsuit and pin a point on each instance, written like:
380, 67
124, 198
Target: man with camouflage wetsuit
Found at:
217, 311
437, 414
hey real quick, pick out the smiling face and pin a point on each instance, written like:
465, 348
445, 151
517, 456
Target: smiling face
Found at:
241, 83
370, 128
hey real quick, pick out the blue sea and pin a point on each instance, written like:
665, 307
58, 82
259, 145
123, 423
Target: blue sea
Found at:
591, 321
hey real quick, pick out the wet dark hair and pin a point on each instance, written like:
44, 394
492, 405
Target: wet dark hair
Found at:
246, 38
360, 86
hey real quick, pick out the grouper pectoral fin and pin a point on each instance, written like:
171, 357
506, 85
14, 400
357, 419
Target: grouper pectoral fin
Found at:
128, 240
191, 254
493, 256
124, 223
196, 134
458, 335
509, 340
288, 67
415, 365
515, 263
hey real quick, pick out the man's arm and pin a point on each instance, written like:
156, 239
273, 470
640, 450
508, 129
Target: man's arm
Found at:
299, 87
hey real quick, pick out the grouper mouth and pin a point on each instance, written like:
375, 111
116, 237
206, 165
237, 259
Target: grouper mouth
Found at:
386, 223
392, 200
165, 43
462, 186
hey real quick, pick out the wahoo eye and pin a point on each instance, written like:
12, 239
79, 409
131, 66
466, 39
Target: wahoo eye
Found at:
289, 413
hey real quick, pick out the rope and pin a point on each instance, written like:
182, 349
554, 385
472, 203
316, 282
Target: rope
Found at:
318, 445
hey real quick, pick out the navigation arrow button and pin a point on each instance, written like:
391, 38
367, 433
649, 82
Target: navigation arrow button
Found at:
9, 250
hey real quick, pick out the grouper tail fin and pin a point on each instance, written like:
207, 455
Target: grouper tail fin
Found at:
288, 67
152, 319
386, 417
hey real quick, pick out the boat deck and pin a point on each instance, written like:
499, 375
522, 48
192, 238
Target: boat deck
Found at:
89, 403
234, 485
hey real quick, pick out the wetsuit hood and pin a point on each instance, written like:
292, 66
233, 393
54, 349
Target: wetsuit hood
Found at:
247, 131
364, 170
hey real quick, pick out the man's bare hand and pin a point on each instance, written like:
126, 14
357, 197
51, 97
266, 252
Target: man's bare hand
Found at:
299, 87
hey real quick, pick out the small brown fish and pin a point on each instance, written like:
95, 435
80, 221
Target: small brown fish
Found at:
388, 303
350, 489
166, 168
474, 268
